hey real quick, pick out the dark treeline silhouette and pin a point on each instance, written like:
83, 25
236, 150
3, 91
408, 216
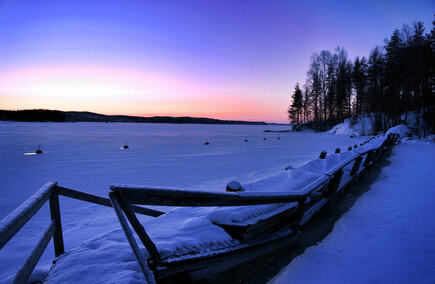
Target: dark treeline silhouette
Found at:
44, 115
394, 80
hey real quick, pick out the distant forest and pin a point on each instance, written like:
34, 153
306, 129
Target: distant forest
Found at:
395, 79
44, 115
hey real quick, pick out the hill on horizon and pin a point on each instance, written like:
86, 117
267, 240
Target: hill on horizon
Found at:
45, 115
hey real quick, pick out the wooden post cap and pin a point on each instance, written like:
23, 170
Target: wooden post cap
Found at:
337, 150
323, 155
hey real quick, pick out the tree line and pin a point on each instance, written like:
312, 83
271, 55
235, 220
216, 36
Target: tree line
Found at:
394, 80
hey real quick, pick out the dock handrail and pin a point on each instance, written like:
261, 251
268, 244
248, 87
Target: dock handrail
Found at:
12, 223
124, 196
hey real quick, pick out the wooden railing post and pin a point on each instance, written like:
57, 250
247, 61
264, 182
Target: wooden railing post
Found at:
355, 166
334, 182
55, 216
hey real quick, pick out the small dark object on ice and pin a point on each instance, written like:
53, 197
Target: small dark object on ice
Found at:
351, 136
234, 186
337, 150
125, 146
323, 155
355, 146
39, 151
349, 148
206, 143
246, 139
264, 138
279, 138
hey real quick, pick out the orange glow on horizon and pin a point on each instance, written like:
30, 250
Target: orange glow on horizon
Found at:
127, 92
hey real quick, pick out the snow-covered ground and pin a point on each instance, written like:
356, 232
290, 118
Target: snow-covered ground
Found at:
388, 236
87, 156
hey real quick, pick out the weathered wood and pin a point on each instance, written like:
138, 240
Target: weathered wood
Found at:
12, 223
355, 166
370, 156
322, 155
178, 197
30, 263
103, 201
334, 182
140, 230
139, 256
55, 217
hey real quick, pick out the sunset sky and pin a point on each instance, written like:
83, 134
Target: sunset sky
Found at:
220, 59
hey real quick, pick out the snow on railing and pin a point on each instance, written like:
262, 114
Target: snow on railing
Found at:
124, 196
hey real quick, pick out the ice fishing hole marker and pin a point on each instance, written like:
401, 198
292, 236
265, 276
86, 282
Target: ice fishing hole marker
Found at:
125, 146
39, 151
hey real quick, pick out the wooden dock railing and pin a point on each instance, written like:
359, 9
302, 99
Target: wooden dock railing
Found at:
12, 223
123, 197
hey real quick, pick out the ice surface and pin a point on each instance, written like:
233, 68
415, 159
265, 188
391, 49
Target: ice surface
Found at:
387, 236
87, 156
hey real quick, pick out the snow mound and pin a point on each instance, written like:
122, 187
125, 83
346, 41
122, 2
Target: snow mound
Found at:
362, 127
401, 129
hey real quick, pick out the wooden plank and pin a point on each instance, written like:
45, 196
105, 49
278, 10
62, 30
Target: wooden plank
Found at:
30, 263
178, 197
355, 166
140, 230
334, 182
55, 216
140, 258
370, 157
103, 201
12, 223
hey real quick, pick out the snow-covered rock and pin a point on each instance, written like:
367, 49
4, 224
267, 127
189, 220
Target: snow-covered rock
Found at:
362, 127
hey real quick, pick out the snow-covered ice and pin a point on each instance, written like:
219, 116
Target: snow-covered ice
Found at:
87, 156
388, 236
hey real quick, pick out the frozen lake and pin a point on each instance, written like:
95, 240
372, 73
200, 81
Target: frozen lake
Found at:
88, 157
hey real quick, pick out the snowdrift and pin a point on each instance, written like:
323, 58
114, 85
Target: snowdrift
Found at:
362, 127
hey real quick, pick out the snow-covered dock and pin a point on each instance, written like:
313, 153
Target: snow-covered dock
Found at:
199, 238
388, 236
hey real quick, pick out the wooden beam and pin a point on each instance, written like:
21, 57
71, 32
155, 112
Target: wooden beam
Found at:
124, 224
13, 222
25, 271
140, 230
177, 197
55, 217
103, 201
355, 166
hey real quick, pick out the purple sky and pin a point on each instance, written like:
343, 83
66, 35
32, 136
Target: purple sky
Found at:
223, 59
